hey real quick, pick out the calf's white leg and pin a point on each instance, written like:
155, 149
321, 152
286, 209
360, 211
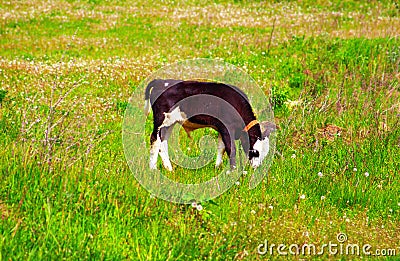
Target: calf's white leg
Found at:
164, 148
220, 151
154, 150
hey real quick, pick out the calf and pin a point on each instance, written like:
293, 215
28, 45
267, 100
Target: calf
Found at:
195, 104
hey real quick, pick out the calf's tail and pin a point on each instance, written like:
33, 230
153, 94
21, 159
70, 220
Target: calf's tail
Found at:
147, 104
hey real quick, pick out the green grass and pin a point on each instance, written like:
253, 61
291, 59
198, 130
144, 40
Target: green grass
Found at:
331, 72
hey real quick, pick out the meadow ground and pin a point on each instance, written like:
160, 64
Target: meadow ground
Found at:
68, 68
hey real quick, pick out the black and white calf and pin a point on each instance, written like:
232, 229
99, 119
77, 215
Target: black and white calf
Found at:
195, 104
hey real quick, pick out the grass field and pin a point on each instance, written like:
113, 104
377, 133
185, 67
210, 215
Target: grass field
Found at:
68, 69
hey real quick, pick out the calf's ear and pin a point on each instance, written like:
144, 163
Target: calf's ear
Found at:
267, 128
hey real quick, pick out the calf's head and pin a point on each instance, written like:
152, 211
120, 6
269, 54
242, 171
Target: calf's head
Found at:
261, 146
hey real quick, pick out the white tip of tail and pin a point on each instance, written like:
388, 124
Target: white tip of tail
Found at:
147, 106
